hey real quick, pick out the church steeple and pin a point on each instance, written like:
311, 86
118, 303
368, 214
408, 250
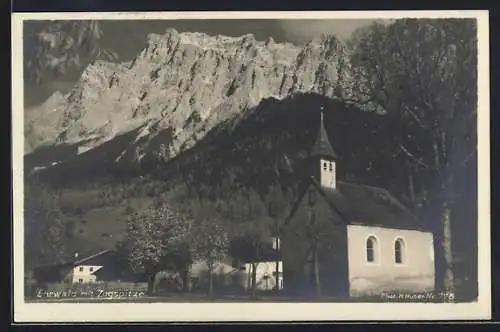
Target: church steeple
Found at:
322, 146
323, 157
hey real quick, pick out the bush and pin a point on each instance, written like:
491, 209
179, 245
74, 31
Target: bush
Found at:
129, 209
222, 283
169, 283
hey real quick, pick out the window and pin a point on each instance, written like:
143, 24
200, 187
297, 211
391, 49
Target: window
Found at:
91, 269
370, 249
80, 281
81, 269
276, 243
331, 167
399, 251
325, 165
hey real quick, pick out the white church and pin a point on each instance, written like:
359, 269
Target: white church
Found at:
351, 240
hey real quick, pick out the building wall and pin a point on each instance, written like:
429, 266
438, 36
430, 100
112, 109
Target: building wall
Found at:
264, 270
415, 274
84, 273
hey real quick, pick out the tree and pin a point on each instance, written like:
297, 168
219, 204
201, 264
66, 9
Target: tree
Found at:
422, 74
277, 210
46, 240
251, 236
206, 213
313, 234
209, 241
181, 257
153, 236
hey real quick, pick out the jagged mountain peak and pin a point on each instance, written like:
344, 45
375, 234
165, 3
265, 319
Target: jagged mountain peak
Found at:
186, 83
270, 41
217, 43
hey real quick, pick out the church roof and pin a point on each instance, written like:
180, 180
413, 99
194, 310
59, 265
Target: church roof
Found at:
367, 206
358, 204
322, 146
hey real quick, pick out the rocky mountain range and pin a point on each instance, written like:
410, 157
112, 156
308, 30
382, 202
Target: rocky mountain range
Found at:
182, 84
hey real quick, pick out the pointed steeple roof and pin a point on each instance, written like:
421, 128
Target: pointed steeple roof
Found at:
322, 146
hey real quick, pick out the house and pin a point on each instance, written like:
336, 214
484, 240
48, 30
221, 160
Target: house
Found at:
78, 271
265, 274
225, 275
229, 273
85, 269
267, 266
358, 240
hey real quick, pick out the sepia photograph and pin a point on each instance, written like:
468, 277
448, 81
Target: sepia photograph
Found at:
251, 166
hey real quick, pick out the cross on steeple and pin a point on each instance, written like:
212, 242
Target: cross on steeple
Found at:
322, 146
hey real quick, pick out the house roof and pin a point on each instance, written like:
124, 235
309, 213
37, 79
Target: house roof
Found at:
85, 259
366, 205
73, 262
322, 146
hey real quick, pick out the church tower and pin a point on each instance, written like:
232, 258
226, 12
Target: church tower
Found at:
323, 158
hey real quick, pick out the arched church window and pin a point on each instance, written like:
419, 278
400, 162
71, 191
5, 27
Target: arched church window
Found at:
371, 244
331, 167
399, 251
325, 165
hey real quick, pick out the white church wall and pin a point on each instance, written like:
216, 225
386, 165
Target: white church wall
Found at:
414, 274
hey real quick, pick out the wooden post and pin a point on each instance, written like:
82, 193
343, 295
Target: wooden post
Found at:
316, 271
254, 279
277, 276
447, 249
210, 282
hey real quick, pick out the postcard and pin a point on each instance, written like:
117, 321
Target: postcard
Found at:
251, 166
